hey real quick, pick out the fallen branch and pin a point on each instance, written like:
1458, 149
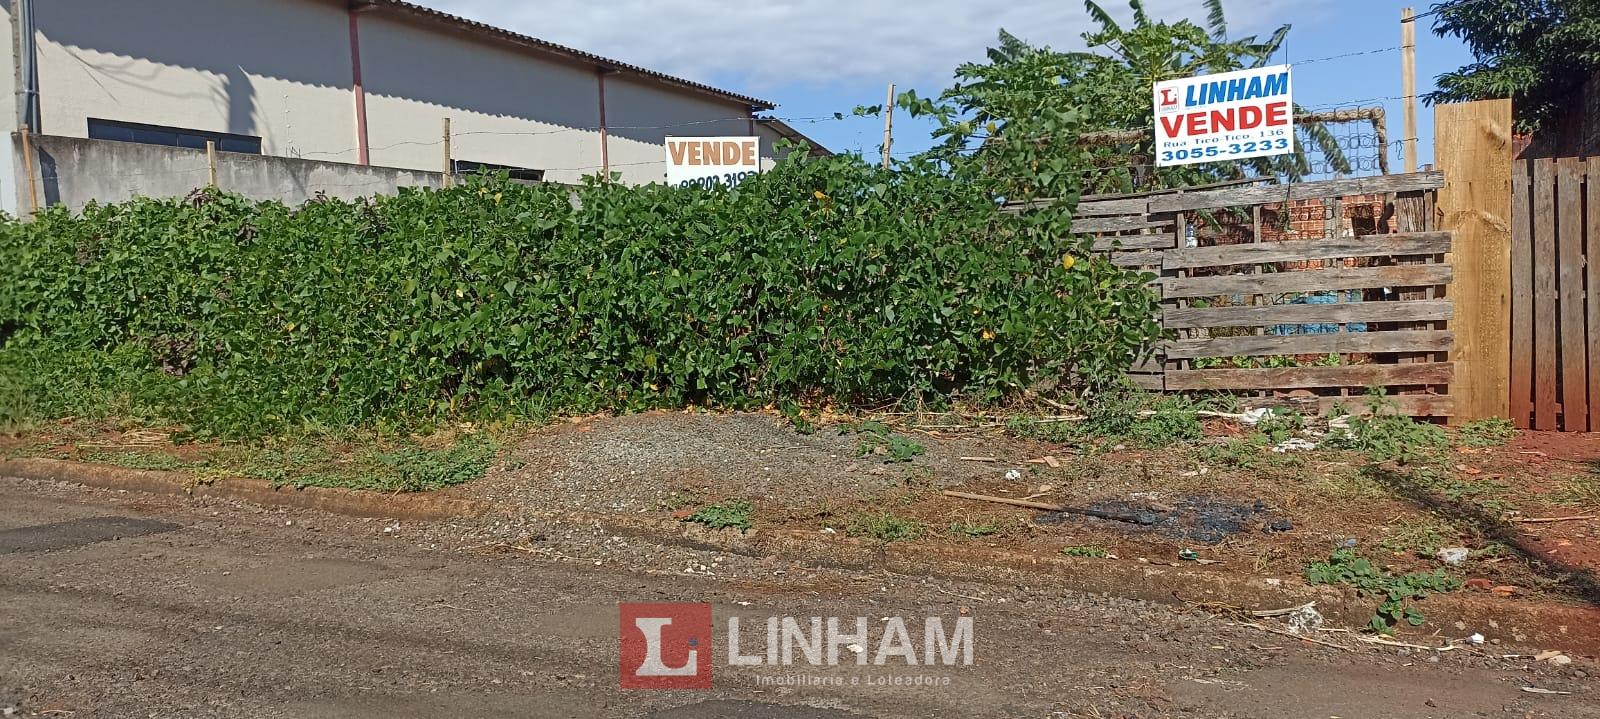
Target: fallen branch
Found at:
979, 459
1292, 635
1268, 613
1004, 500
1546, 520
1388, 643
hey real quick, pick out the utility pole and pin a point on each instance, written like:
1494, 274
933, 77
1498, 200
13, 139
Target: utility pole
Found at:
888, 125
1408, 85
449, 165
25, 55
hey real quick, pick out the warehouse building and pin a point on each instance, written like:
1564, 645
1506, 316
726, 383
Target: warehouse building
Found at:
338, 96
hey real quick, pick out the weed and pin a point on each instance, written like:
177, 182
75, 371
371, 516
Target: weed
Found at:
885, 527
1422, 537
734, 514
1248, 452
1386, 435
1398, 592
973, 530
1490, 432
1579, 490
1092, 551
1135, 417
679, 500
793, 412
878, 439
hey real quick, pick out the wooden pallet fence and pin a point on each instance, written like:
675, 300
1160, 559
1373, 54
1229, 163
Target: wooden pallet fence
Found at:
1555, 294
1227, 303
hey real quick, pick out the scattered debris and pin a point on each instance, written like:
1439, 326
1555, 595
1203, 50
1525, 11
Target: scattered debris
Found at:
1479, 583
1279, 525
1005, 500
979, 459
1013, 475
1253, 417
1538, 690
1475, 639
1305, 619
1453, 556
1199, 518
1294, 444
1188, 555
1554, 657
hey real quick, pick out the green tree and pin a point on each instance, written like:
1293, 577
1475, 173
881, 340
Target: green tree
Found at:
1535, 52
1033, 106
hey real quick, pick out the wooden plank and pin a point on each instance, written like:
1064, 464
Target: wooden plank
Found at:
1136, 259
1410, 405
1119, 206
1592, 249
1162, 241
1411, 243
1241, 196
1522, 294
1305, 344
1118, 224
1336, 278
1574, 356
1369, 375
1545, 316
1343, 313
1472, 146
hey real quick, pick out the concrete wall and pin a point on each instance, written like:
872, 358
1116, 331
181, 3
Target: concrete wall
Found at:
278, 69
505, 106
74, 171
281, 70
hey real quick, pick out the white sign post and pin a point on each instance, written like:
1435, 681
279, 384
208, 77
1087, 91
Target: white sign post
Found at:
712, 161
1227, 116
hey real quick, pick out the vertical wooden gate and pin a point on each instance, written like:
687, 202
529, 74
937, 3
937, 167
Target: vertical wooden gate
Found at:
1555, 294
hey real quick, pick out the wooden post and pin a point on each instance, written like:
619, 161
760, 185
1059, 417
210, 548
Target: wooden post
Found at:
449, 165
1408, 85
211, 163
888, 125
27, 161
1472, 146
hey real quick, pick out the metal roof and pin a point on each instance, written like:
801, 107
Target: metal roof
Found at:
603, 63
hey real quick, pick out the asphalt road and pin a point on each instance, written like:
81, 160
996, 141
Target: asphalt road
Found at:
130, 605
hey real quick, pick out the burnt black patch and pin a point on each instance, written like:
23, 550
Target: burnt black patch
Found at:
1199, 518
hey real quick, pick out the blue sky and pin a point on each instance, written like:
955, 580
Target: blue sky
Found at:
824, 56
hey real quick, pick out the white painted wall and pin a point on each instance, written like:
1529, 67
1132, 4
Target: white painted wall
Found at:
505, 106
280, 70
638, 114
9, 186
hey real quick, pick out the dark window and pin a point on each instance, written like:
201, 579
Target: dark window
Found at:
171, 136
468, 167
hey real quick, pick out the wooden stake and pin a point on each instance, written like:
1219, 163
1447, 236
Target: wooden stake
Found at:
211, 163
888, 126
27, 161
449, 165
1408, 85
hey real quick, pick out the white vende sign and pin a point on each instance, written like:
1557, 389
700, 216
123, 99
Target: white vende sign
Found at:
1227, 116
712, 161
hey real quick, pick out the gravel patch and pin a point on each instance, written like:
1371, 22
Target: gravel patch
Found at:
660, 460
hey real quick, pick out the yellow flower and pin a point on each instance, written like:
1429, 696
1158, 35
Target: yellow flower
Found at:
988, 336
496, 198
1068, 261
819, 194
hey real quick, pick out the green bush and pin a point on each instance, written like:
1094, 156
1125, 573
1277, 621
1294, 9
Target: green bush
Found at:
823, 279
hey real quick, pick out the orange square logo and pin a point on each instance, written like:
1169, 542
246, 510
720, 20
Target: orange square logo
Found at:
665, 645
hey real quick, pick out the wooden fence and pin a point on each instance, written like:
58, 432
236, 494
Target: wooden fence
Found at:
1555, 294
1286, 315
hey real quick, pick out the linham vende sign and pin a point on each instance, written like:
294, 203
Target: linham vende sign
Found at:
1226, 116
712, 161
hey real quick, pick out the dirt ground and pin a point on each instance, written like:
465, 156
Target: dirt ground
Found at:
119, 604
1218, 503
1252, 510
